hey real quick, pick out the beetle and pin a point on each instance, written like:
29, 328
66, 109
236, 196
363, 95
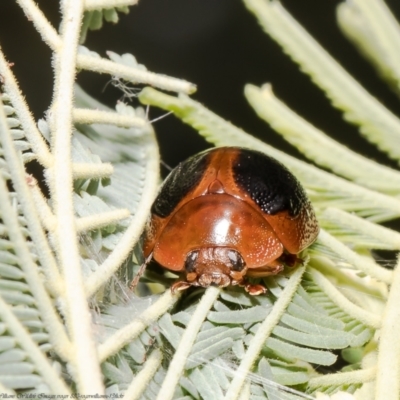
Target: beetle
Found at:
226, 214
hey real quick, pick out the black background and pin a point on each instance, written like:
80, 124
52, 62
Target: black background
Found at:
216, 44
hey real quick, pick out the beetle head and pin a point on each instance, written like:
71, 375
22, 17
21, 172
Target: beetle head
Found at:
214, 266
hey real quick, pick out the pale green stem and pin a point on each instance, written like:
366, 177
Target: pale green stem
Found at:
126, 334
107, 4
43, 209
343, 378
85, 365
98, 221
88, 116
388, 377
245, 393
366, 317
25, 117
41, 23
262, 334
45, 369
353, 281
92, 170
388, 237
133, 232
182, 352
134, 75
143, 378
368, 266
367, 391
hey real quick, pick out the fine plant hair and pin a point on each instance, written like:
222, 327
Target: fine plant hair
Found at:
329, 328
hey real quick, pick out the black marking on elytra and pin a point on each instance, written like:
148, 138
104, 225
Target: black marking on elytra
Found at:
179, 183
268, 183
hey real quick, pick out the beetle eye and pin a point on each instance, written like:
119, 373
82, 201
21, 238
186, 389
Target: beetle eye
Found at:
191, 260
236, 259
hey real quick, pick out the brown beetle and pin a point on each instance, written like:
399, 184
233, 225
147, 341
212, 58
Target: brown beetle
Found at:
227, 213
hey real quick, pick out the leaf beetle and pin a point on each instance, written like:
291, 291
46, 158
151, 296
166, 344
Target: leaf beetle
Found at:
226, 214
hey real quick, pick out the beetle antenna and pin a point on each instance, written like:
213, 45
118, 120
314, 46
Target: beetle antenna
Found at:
139, 274
165, 165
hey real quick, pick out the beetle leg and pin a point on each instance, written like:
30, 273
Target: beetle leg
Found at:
252, 289
274, 268
180, 286
255, 290
291, 260
139, 274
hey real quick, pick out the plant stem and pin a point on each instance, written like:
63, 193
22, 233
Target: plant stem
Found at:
262, 334
143, 378
388, 376
179, 360
88, 116
85, 366
343, 378
126, 334
368, 266
41, 23
134, 75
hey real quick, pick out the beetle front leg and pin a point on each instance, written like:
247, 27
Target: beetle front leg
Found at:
272, 269
180, 286
256, 289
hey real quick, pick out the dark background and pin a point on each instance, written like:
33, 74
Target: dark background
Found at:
216, 44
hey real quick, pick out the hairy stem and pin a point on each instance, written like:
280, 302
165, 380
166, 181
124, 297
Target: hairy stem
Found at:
85, 367
388, 376
179, 360
143, 378
263, 332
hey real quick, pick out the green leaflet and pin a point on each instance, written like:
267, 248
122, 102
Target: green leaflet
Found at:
93, 20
